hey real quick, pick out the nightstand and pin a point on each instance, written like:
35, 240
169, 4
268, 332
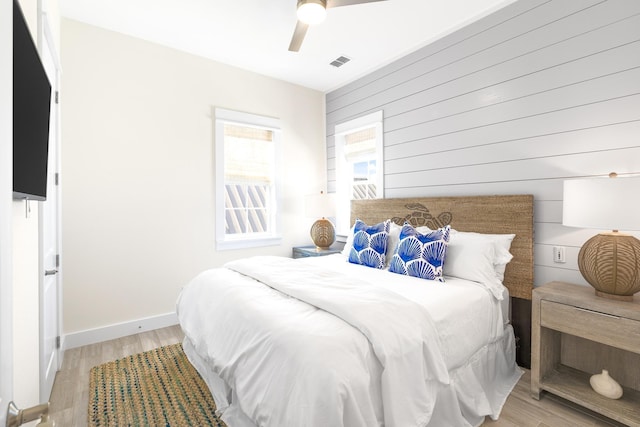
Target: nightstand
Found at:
308, 251
576, 334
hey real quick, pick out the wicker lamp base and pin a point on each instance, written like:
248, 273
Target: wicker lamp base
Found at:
323, 233
610, 263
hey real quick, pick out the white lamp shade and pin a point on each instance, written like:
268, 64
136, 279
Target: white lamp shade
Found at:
311, 12
320, 205
602, 203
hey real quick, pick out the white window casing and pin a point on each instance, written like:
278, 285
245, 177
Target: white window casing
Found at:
359, 158
247, 152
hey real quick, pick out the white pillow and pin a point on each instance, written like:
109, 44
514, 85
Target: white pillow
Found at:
501, 242
472, 258
393, 240
349, 243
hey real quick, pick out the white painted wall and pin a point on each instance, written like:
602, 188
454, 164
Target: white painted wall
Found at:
517, 102
6, 213
25, 279
26, 305
138, 176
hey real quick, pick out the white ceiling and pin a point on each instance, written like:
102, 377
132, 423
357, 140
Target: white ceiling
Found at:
255, 34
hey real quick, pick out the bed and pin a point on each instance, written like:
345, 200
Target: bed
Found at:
325, 342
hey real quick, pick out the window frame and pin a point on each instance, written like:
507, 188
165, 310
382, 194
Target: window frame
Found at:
343, 191
239, 241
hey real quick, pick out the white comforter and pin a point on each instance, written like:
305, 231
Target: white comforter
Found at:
326, 344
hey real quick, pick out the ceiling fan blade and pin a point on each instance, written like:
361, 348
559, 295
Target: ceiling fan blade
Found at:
298, 36
337, 3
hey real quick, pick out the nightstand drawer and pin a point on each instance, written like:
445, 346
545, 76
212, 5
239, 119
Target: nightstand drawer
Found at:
607, 329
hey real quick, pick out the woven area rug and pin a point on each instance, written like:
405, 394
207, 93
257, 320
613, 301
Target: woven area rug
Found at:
155, 388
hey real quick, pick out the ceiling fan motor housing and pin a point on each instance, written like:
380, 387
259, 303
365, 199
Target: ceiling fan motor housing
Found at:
312, 11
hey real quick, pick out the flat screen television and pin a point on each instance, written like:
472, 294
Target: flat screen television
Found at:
31, 113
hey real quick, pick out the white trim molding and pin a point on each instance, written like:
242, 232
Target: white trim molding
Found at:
118, 330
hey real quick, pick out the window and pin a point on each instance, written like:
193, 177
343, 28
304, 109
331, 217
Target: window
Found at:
247, 147
359, 165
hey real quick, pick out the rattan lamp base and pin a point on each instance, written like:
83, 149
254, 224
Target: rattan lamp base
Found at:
323, 233
610, 263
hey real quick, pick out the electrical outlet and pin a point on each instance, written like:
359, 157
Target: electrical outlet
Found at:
558, 254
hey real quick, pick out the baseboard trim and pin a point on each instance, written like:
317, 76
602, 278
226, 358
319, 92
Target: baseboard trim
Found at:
118, 330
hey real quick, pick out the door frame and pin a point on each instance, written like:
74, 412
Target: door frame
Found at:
46, 40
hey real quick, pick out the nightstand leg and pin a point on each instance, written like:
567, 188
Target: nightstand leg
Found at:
547, 352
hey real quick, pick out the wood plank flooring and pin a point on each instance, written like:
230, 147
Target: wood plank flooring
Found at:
70, 395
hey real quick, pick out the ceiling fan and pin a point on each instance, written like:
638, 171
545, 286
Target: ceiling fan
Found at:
312, 12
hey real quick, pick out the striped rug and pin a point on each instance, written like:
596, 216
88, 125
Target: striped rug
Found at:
154, 388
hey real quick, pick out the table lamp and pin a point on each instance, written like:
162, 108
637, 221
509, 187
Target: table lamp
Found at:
609, 261
322, 231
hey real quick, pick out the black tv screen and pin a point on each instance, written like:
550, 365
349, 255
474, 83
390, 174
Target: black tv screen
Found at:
31, 110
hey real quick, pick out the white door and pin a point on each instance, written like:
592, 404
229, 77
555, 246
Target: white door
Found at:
50, 279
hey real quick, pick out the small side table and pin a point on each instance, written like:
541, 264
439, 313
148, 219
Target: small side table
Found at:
312, 251
577, 334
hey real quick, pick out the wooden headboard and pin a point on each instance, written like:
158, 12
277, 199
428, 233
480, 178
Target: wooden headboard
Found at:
483, 214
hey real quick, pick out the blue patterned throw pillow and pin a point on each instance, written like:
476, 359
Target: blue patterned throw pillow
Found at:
369, 244
421, 255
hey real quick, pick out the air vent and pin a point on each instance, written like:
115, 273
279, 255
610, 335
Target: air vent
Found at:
340, 61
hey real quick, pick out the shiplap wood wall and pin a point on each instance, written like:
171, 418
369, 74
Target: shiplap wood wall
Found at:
535, 93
